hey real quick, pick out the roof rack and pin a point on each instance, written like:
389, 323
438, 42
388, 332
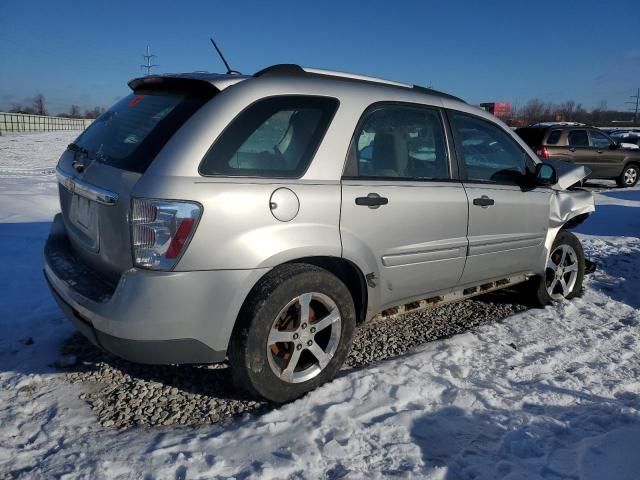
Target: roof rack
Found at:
558, 124
292, 69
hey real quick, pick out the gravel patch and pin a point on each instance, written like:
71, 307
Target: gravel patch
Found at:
124, 394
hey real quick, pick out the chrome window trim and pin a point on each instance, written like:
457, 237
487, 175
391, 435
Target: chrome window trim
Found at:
85, 189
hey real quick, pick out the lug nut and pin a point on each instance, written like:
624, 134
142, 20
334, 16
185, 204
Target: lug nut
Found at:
295, 336
299, 346
313, 329
304, 325
309, 343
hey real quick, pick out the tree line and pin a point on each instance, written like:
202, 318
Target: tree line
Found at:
536, 110
38, 106
533, 111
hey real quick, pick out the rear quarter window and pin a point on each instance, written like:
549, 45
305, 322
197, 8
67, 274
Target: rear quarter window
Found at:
532, 136
553, 137
274, 137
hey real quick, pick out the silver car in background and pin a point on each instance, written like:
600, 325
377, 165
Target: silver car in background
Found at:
260, 218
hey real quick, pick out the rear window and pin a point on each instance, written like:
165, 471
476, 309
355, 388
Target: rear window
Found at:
553, 137
274, 137
532, 136
130, 134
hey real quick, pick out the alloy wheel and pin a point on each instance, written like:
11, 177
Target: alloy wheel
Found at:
630, 176
304, 337
561, 272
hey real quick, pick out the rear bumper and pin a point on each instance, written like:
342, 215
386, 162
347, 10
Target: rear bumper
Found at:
148, 317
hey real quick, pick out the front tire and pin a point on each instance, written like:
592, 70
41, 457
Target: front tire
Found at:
629, 176
564, 272
293, 334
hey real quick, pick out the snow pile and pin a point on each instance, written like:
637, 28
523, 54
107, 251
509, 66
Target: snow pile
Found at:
551, 393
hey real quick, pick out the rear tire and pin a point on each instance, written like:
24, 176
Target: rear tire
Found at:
293, 333
629, 176
564, 272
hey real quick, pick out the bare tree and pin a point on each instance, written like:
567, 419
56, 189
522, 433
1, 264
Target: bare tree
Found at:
74, 111
17, 108
39, 107
566, 110
534, 111
599, 115
581, 114
94, 113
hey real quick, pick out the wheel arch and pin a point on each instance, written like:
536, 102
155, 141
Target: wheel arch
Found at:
629, 161
348, 272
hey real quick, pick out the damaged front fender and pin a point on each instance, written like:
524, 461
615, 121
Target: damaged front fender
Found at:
569, 207
569, 204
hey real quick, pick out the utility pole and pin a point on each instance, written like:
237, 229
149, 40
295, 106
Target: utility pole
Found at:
147, 58
636, 105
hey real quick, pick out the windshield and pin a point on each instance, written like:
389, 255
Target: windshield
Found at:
131, 133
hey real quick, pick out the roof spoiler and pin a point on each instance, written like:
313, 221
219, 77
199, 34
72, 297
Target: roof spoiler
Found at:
168, 82
294, 70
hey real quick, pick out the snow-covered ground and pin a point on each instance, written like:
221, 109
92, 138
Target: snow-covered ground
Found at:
551, 393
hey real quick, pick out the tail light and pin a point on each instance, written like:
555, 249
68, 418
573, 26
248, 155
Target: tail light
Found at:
161, 230
542, 153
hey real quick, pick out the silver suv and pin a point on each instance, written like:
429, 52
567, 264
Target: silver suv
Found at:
260, 218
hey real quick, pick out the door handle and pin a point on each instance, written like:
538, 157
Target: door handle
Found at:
484, 201
572, 149
373, 200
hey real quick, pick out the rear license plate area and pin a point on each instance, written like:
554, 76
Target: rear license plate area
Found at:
84, 217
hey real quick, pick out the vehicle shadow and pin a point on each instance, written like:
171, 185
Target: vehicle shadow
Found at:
590, 439
213, 381
24, 287
31, 325
626, 224
624, 194
617, 276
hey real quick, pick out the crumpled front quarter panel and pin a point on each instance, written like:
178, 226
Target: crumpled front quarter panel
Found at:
565, 205
568, 204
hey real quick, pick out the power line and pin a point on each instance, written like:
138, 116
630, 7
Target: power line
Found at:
147, 58
636, 105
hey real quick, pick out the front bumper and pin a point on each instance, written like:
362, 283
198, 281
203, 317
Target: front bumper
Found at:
148, 316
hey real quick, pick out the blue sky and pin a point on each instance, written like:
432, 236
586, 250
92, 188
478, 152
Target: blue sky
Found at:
85, 51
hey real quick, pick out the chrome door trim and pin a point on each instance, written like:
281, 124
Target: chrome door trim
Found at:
85, 189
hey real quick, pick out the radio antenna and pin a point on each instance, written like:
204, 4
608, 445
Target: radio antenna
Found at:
226, 64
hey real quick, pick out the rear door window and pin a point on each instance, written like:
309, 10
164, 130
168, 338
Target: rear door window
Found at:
400, 141
132, 132
578, 138
274, 137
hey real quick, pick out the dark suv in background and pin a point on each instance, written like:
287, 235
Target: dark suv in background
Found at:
586, 146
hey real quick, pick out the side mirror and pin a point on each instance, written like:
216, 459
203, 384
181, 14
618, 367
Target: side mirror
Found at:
546, 174
614, 146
